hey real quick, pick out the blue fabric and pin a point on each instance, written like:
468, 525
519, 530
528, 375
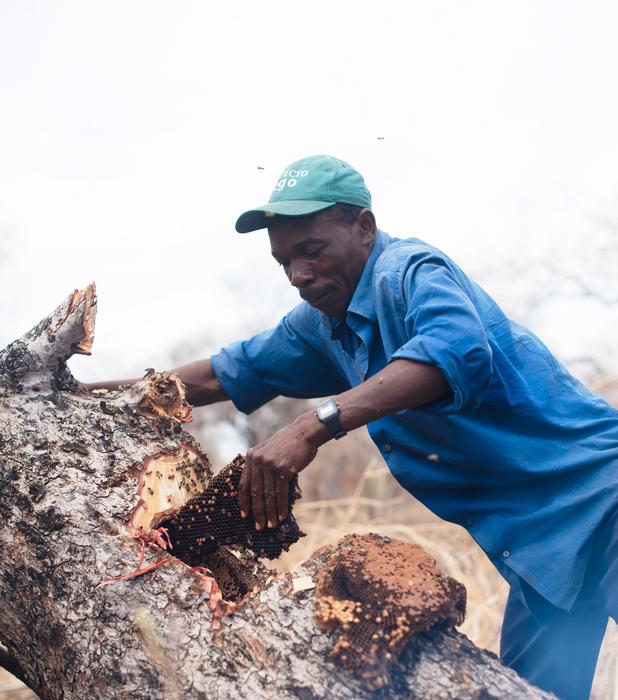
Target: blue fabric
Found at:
560, 653
521, 454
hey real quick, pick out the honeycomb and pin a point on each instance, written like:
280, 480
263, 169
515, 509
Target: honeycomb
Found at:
380, 592
212, 519
236, 572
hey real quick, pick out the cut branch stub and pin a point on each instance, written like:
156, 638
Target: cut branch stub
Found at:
165, 397
38, 359
158, 396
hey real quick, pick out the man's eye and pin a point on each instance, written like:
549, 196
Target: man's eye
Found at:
314, 253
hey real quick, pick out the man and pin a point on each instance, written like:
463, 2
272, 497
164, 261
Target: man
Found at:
472, 413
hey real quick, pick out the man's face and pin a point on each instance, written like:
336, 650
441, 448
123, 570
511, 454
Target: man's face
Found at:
322, 256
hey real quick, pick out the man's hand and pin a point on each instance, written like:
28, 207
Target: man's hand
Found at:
269, 468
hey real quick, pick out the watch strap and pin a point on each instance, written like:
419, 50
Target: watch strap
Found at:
332, 421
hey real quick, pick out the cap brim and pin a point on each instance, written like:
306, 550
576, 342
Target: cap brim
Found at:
261, 217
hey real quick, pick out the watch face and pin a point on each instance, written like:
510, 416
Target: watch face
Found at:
325, 411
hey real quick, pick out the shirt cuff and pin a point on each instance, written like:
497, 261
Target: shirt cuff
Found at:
442, 355
239, 380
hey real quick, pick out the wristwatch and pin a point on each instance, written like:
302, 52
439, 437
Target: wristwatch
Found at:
327, 413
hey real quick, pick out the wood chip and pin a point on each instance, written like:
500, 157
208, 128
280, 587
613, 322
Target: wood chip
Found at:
303, 583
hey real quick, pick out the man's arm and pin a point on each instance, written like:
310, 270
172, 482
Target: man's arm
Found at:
270, 466
202, 385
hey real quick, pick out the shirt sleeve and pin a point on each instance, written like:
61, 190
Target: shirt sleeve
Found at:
283, 361
445, 330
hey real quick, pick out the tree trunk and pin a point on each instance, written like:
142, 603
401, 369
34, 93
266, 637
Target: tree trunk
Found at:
75, 499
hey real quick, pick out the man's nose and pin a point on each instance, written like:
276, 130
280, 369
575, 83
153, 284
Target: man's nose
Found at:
299, 275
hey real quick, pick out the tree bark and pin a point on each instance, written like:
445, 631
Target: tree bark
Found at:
72, 464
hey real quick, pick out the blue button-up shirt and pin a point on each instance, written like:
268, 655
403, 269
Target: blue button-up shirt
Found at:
521, 454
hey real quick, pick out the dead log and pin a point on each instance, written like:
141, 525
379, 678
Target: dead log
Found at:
84, 480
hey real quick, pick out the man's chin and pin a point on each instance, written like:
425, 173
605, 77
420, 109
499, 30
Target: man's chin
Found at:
329, 307
329, 304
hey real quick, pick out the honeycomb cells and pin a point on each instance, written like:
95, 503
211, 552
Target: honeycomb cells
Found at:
213, 519
236, 573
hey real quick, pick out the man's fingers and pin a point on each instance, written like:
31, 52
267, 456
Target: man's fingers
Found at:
270, 502
244, 490
282, 487
257, 498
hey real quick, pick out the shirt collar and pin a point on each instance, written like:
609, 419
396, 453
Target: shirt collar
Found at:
362, 303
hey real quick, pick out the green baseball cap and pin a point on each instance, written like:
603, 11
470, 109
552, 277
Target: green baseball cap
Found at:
307, 186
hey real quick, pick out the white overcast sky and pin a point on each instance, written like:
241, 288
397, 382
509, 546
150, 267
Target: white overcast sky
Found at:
132, 134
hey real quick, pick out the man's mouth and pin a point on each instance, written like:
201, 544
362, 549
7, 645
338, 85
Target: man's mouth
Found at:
315, 299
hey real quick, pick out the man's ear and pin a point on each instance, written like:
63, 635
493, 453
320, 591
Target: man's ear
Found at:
366, 223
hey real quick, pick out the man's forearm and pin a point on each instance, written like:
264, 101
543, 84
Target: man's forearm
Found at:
271, 465
402, 384
202, 385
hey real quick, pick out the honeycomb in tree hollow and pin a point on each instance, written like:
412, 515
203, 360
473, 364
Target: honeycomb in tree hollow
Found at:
213, 519
237, 572
380, 592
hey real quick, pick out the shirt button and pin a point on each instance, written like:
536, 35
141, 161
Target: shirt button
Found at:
388, 447
506, 554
